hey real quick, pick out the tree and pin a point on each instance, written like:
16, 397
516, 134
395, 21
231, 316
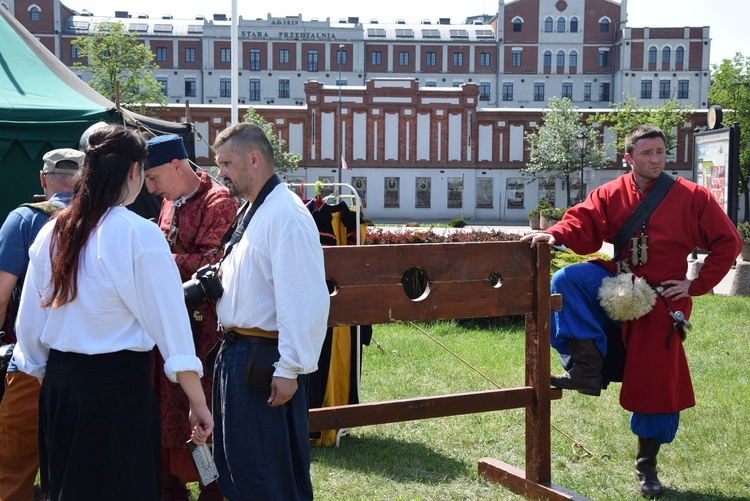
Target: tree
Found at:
283, 160
116, 55
625, 116
553, 149
730, 89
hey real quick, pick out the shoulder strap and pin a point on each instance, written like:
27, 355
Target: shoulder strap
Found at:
237, 229
642, 212
45, 207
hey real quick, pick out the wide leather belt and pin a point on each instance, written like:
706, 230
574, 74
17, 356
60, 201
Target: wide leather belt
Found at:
239, 335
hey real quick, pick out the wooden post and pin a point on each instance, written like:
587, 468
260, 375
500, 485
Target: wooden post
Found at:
465, 280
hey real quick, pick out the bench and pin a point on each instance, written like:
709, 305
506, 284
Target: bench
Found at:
464, 280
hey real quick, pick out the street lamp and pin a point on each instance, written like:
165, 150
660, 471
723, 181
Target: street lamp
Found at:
339, 57
581, 139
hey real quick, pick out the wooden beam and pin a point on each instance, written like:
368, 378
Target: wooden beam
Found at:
538, 441
395, 411
515, 480
464, 280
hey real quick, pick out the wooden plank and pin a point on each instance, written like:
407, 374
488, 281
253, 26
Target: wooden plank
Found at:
386, 264
368, 287
396, 411
348, 416
538, 415
443, 300
515, 479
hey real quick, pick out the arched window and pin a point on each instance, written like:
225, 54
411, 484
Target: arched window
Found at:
652, 55
604, 25
560, 58
561, 24
573, 59
574, 25
548, 24
517, 25
666, 55
34, 13
679, 55
547, 58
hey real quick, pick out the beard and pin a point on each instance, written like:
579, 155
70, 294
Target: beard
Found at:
231, 187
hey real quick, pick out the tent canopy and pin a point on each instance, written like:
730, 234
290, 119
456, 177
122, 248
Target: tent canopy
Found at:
41, 109
44, 106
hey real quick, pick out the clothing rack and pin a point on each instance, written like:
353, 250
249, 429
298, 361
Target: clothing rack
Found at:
337, 196
354, 195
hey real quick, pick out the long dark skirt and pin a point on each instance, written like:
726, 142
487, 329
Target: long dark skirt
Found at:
99, 428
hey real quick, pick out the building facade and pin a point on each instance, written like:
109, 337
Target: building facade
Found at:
420, 153
527, 52
430, 118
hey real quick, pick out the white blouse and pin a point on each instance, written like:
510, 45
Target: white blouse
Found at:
129, 298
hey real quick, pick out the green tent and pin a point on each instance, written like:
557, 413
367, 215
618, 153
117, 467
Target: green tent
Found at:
44, 106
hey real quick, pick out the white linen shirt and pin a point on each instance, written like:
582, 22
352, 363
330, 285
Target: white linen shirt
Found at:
129, 298
274, 279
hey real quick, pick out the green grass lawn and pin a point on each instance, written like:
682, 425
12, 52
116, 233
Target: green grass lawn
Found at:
593, 449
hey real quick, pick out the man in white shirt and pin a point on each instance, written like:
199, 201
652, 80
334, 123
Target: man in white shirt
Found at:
274, 310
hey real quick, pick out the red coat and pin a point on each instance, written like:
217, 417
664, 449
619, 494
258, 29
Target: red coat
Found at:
656, 377
202, 221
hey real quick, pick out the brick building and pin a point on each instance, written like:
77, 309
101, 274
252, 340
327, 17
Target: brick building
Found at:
527, 52
418, 153
430, 117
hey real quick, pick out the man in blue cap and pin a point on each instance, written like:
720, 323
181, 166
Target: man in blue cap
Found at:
195, 213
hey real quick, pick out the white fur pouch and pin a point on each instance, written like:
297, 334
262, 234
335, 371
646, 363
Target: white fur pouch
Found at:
626, 297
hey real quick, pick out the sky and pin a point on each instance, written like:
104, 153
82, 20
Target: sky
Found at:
727, 18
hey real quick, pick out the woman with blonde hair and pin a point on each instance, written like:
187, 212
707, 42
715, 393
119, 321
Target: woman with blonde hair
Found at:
101, 290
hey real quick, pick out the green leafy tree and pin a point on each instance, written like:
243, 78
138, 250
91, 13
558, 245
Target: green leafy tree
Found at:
730, 89
553, 149
283, 160
626, 115
116, 55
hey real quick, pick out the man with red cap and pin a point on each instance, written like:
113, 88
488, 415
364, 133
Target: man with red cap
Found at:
195, 214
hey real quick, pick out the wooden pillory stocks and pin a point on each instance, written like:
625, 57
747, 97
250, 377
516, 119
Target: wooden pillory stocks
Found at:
465, 280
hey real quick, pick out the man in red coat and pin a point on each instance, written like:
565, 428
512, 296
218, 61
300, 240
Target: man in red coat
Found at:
656, 382
195, 214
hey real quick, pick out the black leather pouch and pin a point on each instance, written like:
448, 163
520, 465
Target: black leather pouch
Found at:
259, 369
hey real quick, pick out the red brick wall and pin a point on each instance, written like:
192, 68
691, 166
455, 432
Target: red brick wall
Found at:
163, 43
528, 10
262, 47
492, 51
46, 23
637, 56
185, 44
218, 45
292, 64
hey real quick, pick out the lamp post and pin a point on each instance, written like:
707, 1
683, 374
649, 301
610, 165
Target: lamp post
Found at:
339, 57
581, 139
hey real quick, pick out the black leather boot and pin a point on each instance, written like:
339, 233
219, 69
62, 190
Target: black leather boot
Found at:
645, 468
585, 375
